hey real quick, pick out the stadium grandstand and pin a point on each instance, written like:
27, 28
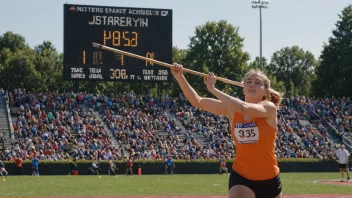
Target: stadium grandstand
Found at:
59, 126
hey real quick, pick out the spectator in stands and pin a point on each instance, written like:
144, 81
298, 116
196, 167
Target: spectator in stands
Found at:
2, 141
60, 129
337, 112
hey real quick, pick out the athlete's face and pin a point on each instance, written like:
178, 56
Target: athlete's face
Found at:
254, 87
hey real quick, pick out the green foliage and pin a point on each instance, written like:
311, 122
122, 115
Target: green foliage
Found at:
19, 70
15, 57
49, 66
216, 47
37, 69
179, 55
295, 67
12, 41
254, 65
335, 70
277, 85
293, 91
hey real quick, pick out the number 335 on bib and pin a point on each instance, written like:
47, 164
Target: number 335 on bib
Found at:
247, 133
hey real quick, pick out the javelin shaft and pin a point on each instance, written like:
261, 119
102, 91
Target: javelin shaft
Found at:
164, 64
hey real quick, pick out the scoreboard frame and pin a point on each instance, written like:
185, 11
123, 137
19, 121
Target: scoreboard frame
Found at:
143, 31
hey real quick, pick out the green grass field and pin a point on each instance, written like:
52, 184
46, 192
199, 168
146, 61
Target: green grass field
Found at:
153, 185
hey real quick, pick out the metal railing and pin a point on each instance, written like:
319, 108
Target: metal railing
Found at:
6, 97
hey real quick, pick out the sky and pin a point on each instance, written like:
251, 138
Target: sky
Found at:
306, 23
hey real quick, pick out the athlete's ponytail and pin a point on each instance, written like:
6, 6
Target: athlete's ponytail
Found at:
275, 97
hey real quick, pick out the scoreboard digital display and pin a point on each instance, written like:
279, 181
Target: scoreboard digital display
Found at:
142, 31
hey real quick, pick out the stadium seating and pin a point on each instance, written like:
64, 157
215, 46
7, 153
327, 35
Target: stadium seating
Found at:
58, 126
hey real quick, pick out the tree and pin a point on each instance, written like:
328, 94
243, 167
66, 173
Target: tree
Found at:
277, 85
216, 47
49, 65
293, 66
335, 70
12, 41
255, 64
20, 69
9, 44
178, 55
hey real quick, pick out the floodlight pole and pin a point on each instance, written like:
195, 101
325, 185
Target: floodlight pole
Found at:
260, 4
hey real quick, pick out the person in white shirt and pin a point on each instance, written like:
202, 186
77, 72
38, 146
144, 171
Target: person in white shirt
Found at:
342, 154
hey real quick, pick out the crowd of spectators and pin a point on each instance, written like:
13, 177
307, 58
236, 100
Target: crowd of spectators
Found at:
147, 129
214, 128
314, 135
56, 127
59, 126
336, 111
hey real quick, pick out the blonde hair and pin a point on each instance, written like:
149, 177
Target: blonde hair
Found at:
273, 95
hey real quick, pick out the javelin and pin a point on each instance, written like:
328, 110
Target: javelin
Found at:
164, 64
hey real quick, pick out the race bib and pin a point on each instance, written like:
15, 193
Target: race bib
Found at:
247, 133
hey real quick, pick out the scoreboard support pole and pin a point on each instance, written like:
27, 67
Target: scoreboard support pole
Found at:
77, 85
159, 96
117, 85
95, 87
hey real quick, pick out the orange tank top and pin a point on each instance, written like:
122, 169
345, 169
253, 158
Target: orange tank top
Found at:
255, 144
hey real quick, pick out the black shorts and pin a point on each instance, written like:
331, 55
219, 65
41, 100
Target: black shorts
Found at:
263, 189
342, 165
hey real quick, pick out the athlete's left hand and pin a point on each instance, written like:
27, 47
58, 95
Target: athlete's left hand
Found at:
210, 81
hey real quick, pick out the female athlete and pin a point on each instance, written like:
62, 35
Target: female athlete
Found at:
255, 171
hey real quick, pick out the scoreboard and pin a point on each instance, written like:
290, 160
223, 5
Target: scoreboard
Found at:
143, 31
